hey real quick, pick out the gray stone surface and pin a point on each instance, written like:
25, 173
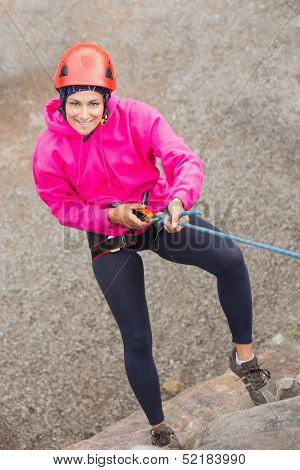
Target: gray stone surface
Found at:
226, 76
272, 418
191, 412
283, 439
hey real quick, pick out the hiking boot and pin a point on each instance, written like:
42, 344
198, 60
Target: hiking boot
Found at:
164, 436
259, 384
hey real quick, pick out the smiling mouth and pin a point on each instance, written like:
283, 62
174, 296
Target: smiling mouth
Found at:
84, 123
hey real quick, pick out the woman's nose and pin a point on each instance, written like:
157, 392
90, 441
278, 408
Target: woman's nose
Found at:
84, 113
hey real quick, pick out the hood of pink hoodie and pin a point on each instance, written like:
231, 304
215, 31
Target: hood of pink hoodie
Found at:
56, 123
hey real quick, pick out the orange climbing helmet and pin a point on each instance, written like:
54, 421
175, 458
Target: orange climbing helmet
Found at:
85, 64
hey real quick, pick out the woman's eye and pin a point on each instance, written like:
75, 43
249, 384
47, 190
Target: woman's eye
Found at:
75, 104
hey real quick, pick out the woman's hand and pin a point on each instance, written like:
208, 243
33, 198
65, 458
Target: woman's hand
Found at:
175, 207
123, 215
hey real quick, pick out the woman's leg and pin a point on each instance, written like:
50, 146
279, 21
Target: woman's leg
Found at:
223, 258
120, 276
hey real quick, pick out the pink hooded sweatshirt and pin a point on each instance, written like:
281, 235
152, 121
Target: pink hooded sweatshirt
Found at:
78, 177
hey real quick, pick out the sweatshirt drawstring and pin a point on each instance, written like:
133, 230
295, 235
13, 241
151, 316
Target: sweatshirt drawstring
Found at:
108, 182
79, 163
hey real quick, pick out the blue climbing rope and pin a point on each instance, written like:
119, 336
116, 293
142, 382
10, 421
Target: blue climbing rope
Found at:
281, 251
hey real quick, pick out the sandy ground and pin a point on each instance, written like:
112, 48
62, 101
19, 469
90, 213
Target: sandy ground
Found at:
226, 76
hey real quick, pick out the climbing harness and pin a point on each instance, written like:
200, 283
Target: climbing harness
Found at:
111, 244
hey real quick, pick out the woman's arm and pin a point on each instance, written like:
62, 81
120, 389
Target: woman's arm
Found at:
183, 169
70, 210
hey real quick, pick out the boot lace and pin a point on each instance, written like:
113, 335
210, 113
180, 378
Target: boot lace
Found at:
164, 436
256, 376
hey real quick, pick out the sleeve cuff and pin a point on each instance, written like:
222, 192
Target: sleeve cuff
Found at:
109, 223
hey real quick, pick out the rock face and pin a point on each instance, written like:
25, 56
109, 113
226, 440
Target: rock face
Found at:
282, 439
289, 387
219, 414
270, 426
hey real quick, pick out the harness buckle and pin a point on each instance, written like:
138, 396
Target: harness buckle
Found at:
117, 249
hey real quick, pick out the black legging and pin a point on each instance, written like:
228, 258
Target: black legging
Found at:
121, 278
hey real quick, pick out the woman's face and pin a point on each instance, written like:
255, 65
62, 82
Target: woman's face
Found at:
84, 110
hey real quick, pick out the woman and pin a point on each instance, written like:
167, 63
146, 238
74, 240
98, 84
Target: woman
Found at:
94, 166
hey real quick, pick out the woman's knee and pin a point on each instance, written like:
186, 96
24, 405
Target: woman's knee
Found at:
232, 259
140, 345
